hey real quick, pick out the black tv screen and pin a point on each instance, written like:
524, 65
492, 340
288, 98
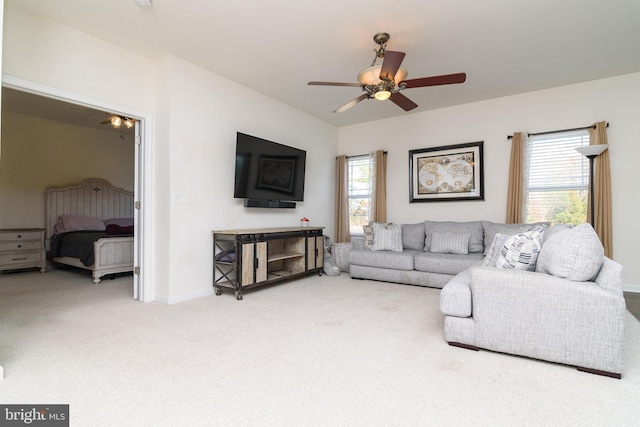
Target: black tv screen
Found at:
267, 170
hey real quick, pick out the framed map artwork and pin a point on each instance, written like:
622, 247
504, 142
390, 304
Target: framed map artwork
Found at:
447, 173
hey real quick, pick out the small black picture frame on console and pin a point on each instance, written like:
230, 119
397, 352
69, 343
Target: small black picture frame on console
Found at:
446, 173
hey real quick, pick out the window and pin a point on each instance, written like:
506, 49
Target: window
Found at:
360, 192
558, 178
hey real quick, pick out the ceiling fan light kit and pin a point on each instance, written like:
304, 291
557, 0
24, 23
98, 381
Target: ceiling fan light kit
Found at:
382, 95
385, 81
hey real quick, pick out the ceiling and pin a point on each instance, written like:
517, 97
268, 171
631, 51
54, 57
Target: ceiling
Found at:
275, 47
53, 109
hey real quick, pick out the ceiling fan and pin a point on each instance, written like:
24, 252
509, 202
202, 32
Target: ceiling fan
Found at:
385, 81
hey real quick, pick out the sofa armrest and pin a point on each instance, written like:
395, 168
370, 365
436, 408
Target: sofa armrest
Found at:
610, 277
550, 318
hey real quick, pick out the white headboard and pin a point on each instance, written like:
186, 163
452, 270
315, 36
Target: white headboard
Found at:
94, 197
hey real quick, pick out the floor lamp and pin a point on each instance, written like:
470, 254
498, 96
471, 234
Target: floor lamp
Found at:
591, 152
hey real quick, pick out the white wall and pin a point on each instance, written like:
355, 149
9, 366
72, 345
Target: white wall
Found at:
206, 111
196, 115
615, 100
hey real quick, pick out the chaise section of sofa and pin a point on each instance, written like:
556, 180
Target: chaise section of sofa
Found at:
570, 310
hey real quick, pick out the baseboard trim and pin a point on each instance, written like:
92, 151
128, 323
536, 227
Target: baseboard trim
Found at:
630, 287
182, 298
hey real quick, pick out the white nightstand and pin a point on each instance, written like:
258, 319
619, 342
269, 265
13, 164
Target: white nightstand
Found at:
22, 248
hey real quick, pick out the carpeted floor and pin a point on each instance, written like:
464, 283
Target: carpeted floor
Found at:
321, 351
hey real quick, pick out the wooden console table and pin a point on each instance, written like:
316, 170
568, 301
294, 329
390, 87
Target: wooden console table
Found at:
243, 259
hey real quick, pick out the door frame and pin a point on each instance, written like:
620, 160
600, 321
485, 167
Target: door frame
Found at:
142, 283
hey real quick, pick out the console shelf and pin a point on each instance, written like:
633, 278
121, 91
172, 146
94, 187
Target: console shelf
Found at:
254, 257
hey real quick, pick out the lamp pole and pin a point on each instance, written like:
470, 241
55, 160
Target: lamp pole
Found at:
591, 152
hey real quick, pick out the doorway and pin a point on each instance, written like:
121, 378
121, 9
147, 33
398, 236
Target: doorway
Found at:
94, 112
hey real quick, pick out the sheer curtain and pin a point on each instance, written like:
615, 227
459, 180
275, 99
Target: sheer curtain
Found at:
601, 189
342, 233
517, 189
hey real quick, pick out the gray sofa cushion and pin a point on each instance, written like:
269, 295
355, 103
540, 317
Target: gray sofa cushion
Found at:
446, 263
383, 259
413, 236
574, 254
476, 243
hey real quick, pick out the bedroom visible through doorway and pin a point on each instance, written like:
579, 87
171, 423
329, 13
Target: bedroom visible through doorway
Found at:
90, 147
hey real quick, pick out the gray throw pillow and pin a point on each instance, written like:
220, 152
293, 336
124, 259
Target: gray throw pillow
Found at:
471, 227
493, 252
413, 236
574, 254
450, 243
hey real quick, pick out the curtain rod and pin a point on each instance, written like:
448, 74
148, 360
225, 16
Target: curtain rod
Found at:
559, 131
361, 155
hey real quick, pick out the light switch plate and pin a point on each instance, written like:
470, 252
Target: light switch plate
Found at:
181, 198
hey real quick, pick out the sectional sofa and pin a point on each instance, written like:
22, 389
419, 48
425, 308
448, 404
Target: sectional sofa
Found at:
527, 289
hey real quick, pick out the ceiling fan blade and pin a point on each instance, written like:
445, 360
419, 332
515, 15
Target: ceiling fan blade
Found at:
403, 102
334, 84
391, 64
351, 103
447, 79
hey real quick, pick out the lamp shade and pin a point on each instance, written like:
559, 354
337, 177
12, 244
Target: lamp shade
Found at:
592, 150
371, 75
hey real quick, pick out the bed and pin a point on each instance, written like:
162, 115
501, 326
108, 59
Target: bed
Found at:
90, 226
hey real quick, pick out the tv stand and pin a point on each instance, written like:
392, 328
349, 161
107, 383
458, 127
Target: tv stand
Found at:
257, 203
244, 259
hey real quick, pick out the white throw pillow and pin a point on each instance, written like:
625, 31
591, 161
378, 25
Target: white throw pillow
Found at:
450, 243
574, 254
387, 237
521, 251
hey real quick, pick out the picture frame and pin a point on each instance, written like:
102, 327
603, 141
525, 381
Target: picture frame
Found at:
446, 173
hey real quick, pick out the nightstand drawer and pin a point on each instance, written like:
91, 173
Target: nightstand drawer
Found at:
20, 258
20, 235
20, 246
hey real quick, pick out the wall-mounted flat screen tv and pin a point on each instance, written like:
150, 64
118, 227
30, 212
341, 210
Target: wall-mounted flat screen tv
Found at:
268, 171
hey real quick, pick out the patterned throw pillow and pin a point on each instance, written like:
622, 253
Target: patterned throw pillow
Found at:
521, 251
387, 237
450, 243
368, 236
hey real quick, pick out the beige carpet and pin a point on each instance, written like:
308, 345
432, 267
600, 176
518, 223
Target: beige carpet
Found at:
321, 351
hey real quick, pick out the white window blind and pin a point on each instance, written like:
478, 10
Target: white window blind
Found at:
360, 192
558, 177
